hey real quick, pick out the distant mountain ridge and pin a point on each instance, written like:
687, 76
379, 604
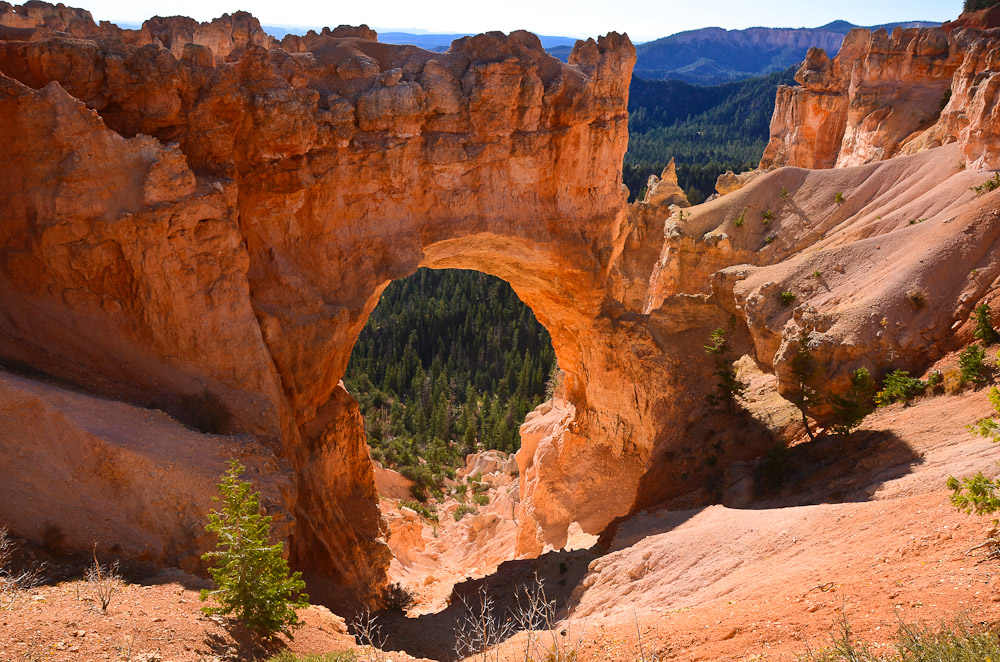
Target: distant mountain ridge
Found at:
438, 42
710, 56
707, 56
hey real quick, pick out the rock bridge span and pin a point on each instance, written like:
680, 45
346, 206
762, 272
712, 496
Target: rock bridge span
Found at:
199, 219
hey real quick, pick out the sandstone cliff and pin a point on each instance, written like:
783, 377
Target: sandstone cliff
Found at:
886, 94
205, 232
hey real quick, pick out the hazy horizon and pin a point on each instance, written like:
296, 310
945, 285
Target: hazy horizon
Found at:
643, 20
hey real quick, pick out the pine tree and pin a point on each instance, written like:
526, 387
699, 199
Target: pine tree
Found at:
804, 370
252, 576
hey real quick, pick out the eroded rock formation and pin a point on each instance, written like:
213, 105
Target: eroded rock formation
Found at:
886, 94
80, 470
207, 232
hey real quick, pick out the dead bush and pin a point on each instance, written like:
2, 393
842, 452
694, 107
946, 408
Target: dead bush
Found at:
953, 381
481, 629
102, 583
13, 584
368, 633
546, 638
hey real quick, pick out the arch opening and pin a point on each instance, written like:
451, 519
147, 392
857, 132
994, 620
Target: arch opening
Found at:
445, 370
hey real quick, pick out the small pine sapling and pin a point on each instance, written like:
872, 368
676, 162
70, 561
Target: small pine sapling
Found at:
804, 370
990, 184
972, 363
898, 386
985, 333
729, 388
741, 219
252, 576
851, 408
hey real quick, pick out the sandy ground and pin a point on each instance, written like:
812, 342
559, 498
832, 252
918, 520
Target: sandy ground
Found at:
861, 527
158, 618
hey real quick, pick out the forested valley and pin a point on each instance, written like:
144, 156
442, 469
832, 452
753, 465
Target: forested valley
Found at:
706, 129
450, 362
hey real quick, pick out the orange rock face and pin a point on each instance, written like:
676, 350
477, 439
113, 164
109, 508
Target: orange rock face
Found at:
206, 232
884, 94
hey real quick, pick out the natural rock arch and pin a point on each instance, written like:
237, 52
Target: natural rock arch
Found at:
230, 252
206, 231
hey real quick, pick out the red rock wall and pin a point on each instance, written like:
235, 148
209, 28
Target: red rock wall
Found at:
884, 95
207, 232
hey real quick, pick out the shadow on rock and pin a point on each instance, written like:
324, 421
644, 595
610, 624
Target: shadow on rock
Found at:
831, 469
436, 636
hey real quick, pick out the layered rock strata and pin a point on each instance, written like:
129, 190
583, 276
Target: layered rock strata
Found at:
887, 94
206, 232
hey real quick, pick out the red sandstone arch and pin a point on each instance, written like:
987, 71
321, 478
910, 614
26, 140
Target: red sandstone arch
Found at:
229, 224
198, 219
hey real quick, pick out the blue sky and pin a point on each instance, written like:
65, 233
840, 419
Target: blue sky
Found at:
642, 19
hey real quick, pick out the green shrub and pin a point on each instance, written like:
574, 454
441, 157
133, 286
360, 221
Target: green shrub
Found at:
839, 198
784, 193
427, 512
989, 427
252, 576
976, 495
990, 184
741, 219
481, 499
984, 328
850, 409
961, 642
787, 297
979, 494
463, 510
898, 386
972, 363
766, 215
424, 480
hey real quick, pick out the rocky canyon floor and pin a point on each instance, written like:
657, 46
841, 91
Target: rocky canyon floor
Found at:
860, 528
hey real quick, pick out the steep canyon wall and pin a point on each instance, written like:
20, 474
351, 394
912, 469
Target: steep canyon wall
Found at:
887, 94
